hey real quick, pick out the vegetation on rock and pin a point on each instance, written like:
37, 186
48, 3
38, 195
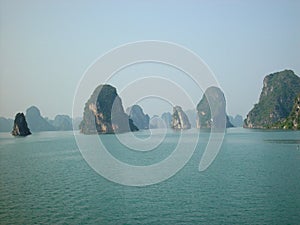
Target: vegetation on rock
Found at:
276, 100
293, 120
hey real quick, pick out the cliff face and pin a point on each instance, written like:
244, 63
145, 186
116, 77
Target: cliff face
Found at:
293, 120
104, 113
294, 116
20, 126
212, 100
36, 122
276, 100
138, 117
180, 119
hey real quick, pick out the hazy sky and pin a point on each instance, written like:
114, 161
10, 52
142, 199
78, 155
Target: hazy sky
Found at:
45, 46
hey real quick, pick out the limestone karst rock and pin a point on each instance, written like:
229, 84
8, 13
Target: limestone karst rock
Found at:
62, 123
138, 117
276, 100
104, 113
20, 126
212, 110
293, 120
180, 119
36, 122
236, 121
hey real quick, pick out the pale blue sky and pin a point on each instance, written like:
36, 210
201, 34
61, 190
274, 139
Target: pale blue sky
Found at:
45, 46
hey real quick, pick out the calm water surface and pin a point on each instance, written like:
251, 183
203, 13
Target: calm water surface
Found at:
255, 179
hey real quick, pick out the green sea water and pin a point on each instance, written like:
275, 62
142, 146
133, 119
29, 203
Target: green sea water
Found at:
255, 179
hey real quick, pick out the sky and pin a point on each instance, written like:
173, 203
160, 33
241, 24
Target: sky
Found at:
47, 46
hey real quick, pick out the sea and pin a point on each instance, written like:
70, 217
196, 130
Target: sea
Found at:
254, 179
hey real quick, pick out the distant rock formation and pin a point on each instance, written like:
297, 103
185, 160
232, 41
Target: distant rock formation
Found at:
36, 122
156, 123
104, 113
180, 119
6, 124
276, 100
163, 121
213, 100
167, 118
20, 126
192, 115
138, 117
236, 121
62, 123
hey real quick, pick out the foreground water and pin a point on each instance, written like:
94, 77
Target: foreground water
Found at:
255, 179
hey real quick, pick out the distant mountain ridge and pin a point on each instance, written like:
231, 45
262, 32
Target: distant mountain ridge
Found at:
6, 124
164, 121
62, 123
38, 123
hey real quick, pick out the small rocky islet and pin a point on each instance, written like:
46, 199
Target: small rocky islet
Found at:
104, 113
20, 127
180, 121
212, 110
